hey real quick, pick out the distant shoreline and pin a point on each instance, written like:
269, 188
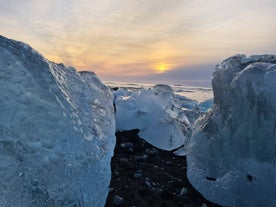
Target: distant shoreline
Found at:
199, 94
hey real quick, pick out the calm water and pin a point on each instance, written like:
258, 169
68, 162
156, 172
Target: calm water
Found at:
196, 93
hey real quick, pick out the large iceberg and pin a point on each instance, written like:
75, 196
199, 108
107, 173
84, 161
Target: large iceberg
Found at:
232, 153
56, 132
162, 117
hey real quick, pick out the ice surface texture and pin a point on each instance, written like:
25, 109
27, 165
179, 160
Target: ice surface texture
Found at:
157, 112
56, 132
232, 153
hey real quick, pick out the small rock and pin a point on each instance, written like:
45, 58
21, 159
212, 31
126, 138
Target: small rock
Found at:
151, 152
127, 145
204, 205
148, 184
110, 190
123, 159
177, 179
137, 175
118, 200
155, 167
142, 143
168, 163
170, 186
141, 158
183, 191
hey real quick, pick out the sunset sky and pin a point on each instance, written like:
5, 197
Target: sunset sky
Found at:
143, 40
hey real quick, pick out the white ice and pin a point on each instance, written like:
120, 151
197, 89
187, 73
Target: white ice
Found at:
56, 132
160, 115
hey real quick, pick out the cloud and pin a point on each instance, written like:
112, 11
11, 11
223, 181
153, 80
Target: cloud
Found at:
197, 74
194, 75
133, 37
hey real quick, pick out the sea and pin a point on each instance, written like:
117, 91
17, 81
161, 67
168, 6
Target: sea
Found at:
200, 94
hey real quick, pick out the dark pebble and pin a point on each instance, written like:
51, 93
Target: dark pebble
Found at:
118, 201
141, 158
123, 159
137, 175
127, 145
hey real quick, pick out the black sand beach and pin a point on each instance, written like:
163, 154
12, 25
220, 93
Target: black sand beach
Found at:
143, 175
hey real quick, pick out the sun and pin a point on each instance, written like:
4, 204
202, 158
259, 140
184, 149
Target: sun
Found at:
161, 68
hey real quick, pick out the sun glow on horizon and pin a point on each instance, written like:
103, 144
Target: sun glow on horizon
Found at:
161, 68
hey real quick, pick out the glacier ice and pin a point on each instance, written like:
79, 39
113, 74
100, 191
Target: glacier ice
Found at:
162, 117
232, 153
56, 132
205, 105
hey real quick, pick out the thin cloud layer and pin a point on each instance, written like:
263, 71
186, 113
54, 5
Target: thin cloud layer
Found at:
125, 39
